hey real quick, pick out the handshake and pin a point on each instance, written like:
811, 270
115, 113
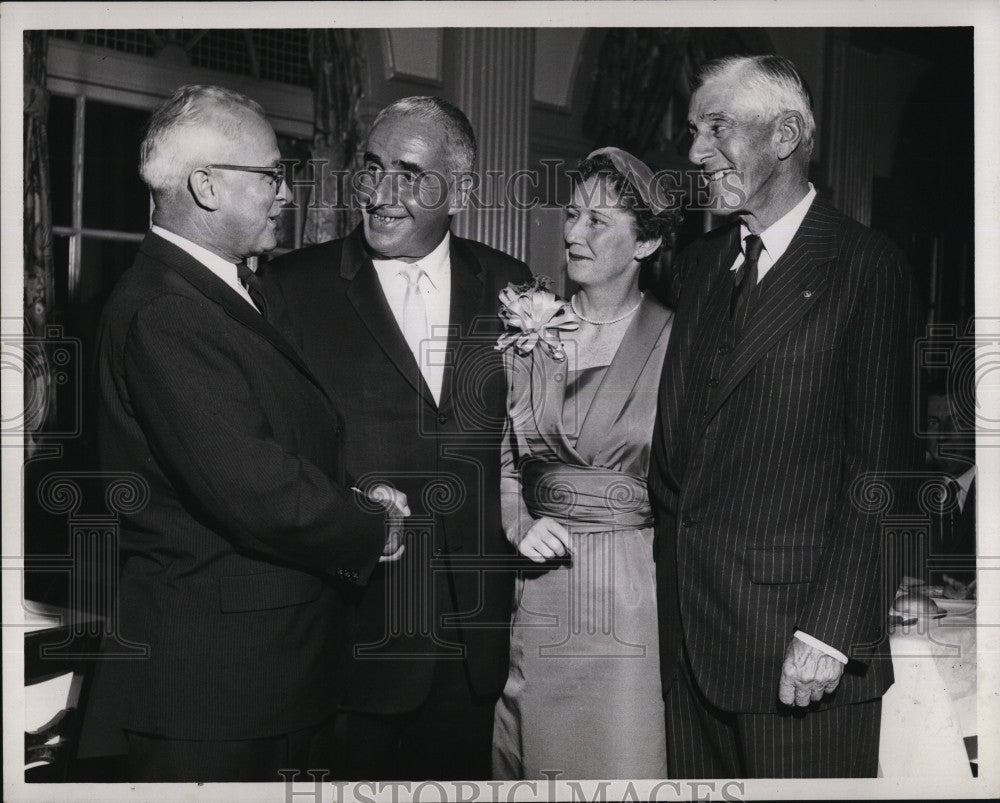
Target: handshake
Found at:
396, 509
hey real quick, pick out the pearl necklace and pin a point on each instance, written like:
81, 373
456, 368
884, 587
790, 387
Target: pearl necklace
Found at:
582, 317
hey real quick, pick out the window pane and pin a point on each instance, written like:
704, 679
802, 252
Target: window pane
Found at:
114, 197
60, 270
60, 131
102, 263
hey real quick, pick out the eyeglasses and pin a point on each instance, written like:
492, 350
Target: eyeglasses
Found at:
275, 172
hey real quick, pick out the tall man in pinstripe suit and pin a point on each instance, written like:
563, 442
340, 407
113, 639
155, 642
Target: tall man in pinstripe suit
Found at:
786, 384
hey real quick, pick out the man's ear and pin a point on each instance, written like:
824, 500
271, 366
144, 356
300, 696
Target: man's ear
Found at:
644, 248
463, 184
203, 189
790, 131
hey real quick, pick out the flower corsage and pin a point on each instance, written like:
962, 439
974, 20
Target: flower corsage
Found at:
536, 316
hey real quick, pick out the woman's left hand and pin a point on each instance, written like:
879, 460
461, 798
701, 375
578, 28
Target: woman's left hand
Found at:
547, 539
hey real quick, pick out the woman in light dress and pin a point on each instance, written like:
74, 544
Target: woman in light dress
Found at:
583, 695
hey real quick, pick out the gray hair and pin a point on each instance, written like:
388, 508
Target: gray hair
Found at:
460, 139
774, 82
169, 146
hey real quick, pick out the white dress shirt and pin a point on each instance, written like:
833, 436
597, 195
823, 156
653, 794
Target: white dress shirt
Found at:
435, 288
777, 236
220, 267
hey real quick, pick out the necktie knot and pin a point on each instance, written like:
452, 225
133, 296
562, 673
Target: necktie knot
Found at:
752, 246
251, 282
243, 272
413, 275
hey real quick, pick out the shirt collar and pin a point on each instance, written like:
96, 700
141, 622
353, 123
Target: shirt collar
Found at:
213, 262
965, 480
778, 236
436, 264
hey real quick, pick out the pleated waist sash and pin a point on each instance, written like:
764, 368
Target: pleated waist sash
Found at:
586, 499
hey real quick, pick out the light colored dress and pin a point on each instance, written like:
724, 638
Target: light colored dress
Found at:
583, 697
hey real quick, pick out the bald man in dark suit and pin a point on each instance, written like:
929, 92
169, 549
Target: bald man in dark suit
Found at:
399, 319
237, 569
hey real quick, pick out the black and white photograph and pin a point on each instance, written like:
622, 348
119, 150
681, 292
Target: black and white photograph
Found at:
516, 401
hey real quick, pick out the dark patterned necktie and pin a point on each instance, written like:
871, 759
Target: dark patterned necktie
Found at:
745, 279
252, 283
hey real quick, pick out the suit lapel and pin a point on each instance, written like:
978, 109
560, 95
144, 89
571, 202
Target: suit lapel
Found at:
466, 302
365, 293
790, 289
216, 290
698, 340
622, 377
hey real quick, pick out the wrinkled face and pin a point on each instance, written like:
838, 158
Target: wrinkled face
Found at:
407, 190
250, 203
600, 236
734, 144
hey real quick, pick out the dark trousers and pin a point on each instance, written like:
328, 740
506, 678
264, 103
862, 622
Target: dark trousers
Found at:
158, 759
449, 737
705, 742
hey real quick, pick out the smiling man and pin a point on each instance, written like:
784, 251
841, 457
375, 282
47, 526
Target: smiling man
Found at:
401, 318
240, 551
787, 381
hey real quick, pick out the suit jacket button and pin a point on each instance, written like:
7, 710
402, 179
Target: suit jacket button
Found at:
713, 383
442, 419
687, 521
725, 348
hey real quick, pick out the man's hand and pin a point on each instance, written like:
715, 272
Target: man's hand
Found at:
546, 539
396, 509
807, 674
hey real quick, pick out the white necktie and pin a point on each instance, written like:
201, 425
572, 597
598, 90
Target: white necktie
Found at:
414, 311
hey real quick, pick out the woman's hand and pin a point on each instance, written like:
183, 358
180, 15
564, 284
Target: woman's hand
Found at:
545, 540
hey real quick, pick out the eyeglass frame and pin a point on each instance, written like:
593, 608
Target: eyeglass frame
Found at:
276, 172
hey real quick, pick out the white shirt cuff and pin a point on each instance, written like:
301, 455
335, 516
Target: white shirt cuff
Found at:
819, 645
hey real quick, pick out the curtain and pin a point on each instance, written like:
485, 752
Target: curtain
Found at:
38, 267
642, 72
338, 68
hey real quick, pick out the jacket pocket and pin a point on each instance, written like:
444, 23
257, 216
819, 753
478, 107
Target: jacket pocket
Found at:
266, 590
782, 564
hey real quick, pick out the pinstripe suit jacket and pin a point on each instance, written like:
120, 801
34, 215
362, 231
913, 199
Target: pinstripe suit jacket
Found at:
758, 441
233, 568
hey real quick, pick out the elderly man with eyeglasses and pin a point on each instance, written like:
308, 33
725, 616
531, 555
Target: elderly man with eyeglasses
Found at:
238, 565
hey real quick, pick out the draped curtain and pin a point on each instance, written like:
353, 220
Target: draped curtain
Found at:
338, 67
38, 266
642, 72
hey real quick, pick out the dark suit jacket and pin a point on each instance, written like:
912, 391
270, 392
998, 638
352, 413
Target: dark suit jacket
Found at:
444, 457
952, 545
758, 442
231, 567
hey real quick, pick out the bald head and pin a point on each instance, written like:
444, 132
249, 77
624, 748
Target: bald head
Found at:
195, 126
207, 158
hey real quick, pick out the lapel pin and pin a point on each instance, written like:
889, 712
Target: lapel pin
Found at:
807, 293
